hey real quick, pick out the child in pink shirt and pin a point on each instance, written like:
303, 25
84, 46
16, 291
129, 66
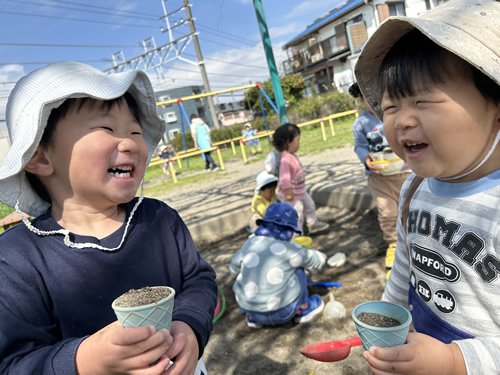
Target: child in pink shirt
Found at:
291, 183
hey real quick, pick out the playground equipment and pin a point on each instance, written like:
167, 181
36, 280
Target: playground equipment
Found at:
185, 155
321, 120
241, 140
184, 117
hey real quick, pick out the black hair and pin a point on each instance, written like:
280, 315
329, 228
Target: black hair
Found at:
60, 112
416, 63
193, 115
354, 90
57, 114
269, 185
284, 135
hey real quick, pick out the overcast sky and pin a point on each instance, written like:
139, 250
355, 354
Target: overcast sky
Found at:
37, 32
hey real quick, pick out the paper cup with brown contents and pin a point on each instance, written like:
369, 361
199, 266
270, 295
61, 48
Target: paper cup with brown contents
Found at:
381, 323
145, 306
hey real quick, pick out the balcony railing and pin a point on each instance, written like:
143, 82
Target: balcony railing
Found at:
306, 57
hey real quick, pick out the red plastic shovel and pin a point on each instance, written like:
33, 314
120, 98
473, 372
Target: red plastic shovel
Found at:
330, 351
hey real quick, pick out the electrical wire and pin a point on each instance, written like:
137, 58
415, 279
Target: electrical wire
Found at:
74, 19
66, 45
82, 10
133, 13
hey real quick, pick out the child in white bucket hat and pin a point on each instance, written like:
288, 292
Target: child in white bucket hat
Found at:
434, 81
265, 195
80, 144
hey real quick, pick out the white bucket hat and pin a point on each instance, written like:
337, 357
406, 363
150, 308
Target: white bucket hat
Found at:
264, 178
468, 29
33, 98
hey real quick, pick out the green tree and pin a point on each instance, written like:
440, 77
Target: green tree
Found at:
293, 90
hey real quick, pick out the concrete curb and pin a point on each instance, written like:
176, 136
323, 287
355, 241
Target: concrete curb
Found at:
227, 223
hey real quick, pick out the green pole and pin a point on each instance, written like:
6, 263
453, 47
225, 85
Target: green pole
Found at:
275, 78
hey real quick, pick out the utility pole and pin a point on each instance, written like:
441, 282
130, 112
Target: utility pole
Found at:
201, 64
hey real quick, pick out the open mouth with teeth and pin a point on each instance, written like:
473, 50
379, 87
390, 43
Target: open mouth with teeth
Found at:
123, 171
415, 147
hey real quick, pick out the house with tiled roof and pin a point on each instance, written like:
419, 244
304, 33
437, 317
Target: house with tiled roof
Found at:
326, 52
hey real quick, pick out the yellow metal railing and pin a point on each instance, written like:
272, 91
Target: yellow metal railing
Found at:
242, 140
300, 125
256, 136
231, 141
184, 155
330, 120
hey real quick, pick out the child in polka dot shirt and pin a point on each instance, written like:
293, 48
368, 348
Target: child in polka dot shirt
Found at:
271, 285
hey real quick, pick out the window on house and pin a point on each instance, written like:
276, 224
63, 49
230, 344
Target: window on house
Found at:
358, 35
358, 18
430, 4
164, 98
397, 9
172, 133
341, 36
170, 116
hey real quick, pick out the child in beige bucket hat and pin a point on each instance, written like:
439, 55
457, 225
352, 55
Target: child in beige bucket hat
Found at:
80, 144
434, 81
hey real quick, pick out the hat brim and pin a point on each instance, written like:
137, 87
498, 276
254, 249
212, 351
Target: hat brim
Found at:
294, 228
449, 26
34, 97
264, 183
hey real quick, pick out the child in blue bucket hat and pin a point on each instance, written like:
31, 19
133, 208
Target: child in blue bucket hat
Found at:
271, 285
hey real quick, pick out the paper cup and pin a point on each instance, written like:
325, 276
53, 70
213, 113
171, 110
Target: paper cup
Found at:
377, 156
157, 314
382, 336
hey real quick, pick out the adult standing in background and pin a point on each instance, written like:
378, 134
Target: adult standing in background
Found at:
369, 138
201, 137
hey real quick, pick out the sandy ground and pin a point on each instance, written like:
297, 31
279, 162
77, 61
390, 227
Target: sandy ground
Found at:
236, 349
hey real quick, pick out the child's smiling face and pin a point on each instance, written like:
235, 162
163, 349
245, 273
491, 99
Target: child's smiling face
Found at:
98, 156
445, 131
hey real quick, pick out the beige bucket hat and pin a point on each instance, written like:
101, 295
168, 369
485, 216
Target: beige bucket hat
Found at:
468, 28
36, 94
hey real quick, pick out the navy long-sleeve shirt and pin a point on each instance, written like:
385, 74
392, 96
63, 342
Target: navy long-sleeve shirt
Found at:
53, 296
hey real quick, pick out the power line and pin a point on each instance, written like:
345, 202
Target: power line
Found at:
80, 10
49, 62
231, 63
227, 36
214, 74
66, 45
106, 8
74, 19
209, 29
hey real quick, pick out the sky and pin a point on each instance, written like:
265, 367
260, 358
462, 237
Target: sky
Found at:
37, 32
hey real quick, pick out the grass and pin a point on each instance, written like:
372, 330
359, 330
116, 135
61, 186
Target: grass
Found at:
4, 211
311, 142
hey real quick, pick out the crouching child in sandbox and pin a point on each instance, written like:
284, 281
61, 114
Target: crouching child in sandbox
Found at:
271, 284
80, 144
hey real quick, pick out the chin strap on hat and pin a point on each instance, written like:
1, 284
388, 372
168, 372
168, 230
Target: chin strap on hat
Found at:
65, 232
495, 143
